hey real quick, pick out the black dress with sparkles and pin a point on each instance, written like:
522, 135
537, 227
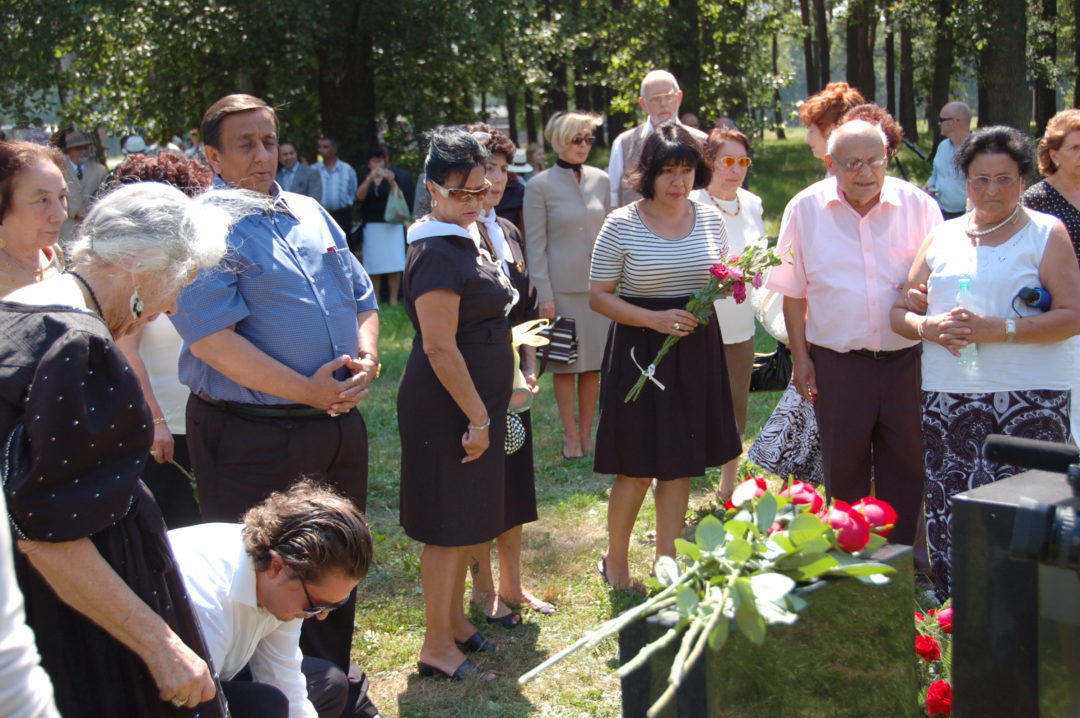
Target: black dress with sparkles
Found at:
75, 433
1044, 197
443, 501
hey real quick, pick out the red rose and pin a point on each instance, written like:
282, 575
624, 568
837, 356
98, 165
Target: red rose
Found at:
919, 617
758, 280
762, 487
739, 292
939, 699
852, 528
928, 648
801, 492
734, 259
944, 619
720, 271
879, 514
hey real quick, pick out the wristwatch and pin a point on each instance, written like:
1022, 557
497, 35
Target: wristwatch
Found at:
1010, 329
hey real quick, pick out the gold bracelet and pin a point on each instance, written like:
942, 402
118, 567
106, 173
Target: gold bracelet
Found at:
483, 427
161, 420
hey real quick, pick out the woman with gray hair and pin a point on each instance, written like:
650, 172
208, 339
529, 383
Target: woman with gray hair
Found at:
113, 624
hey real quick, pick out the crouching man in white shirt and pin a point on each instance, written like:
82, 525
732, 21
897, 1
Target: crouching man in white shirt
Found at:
298, 554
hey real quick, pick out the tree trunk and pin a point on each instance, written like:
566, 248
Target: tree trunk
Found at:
581, 87
907, 86
861, 24
1002, 72
813, 75
1046, 52
511, 114
556, 97
821, 42
531, 135
685, 50
599, 105
1076, 53
890, 72
943, 66
778, 117
347, 100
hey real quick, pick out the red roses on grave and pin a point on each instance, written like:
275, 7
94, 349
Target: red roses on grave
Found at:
939, 698
928, 648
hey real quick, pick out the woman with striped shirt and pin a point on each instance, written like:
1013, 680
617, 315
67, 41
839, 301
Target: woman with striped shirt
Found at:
649, 257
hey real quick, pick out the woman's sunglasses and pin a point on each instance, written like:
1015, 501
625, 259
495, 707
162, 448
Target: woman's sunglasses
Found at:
460, 194
582, 140
743, 162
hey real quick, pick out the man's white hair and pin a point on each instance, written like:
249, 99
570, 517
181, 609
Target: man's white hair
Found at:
854, 127
655, 75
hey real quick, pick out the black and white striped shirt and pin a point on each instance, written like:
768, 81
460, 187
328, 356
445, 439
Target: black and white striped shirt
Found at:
647, 265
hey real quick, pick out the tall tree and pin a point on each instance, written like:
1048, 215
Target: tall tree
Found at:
1002, 76
907, 114
821, 42
813, 75
1044, 41
944, 62
861, 31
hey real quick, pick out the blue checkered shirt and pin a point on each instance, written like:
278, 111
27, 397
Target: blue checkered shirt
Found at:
290, 285
338, 186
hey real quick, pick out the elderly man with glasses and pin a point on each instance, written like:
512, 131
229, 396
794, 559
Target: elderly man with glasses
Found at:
660, 99
297, 555
848, 242
946, 183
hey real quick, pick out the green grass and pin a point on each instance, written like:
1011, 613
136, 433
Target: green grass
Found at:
561, 549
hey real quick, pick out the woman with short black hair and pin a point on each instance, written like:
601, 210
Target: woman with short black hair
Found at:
453, 396
657, 252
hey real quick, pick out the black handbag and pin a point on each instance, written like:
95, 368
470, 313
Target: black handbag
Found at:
772, 371
562, 346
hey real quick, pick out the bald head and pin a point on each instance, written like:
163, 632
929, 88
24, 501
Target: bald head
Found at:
857, 132
955, 120
856, 157
660, 96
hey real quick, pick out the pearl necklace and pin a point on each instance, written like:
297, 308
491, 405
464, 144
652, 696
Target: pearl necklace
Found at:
738, 206
975, 233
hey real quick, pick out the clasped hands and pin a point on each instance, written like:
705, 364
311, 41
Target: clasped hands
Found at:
338, 396
959, 327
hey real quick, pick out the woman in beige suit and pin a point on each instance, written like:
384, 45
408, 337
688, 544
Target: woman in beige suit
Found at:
565, 207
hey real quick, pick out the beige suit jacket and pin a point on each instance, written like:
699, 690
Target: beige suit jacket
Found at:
562, 219
80, 194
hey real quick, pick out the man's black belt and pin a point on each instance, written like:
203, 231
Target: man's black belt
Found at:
266, 411
870, 354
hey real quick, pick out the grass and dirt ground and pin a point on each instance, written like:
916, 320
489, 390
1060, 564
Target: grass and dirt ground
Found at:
560, 550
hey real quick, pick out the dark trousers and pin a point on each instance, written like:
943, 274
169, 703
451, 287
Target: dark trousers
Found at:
869, 414
343, 217
239, 460
330, 691
171, 489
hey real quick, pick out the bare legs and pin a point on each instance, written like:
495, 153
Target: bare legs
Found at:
729, 472
442, 572
394, 281
511, 594
577, 420
627, 494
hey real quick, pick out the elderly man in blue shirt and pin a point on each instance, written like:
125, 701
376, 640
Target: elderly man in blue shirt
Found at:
280, 344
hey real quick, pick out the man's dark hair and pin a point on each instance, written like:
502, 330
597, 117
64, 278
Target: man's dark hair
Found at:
999, 139
210, 128
329, 139
313, 529
452, 150
669, 144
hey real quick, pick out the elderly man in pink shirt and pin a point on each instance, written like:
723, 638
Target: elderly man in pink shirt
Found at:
852, 238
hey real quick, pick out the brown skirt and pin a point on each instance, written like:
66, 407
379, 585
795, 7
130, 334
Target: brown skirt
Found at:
671, 433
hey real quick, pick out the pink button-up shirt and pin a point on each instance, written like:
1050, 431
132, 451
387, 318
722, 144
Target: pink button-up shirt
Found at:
850, 268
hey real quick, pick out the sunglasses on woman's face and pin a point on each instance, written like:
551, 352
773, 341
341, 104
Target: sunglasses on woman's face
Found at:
728, 162
460, 194
582, 140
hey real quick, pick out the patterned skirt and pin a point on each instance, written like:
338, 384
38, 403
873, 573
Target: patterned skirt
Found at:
788, 444
954, 427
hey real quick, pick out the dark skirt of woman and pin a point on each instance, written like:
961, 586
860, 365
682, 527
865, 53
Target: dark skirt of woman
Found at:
672, 433
443, 501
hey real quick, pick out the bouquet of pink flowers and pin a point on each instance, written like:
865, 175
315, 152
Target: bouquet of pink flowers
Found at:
730, 277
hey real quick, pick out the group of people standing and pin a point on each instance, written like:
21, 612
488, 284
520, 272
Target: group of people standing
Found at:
279, 326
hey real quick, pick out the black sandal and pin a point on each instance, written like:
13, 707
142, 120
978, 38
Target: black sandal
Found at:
465, 669
477, 643
510, 620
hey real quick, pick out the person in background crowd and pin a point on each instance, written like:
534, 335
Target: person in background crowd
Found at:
338, 184
727, 152
115, 630
503, 241
660, 99
83, 176
1059, 194
1000, 248
657, 252
453, 398
152, 350
565, 207
132, 145
861, 377
945, 183
298, 555
689, 119
512, 199
384, 242
537, 158
33, 208
294, 176
821, 113
520, 167
402, 176
279, 347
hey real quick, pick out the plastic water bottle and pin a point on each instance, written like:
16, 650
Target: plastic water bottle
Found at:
969, 355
